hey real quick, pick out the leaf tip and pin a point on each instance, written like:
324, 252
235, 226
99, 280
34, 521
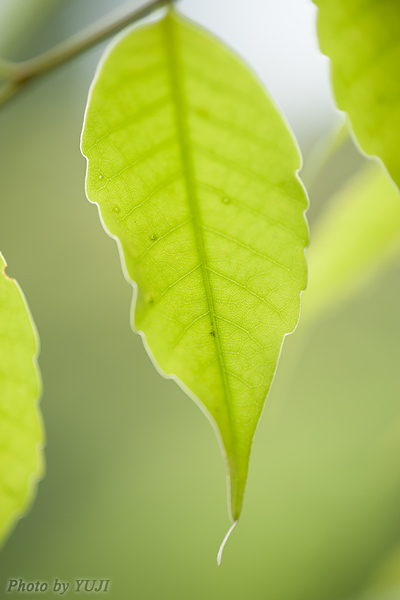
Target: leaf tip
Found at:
222, 546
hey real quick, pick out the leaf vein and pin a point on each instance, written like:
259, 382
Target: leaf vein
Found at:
249, 248
181, 114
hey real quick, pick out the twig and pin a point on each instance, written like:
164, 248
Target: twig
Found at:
18, 74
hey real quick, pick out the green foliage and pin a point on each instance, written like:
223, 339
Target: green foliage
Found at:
19, 19
21, 437
357, 235
361, 37
194, 171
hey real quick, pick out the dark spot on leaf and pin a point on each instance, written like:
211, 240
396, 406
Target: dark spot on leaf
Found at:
153, 237
212, 332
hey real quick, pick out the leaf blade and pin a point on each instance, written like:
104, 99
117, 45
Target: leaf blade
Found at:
21, 435
361, 39
187, 202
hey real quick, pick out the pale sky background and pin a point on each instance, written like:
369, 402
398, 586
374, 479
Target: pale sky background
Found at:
278, 39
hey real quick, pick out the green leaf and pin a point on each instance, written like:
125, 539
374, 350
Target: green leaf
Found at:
361, 37
20, 20
357, 236
21, 435
194, 171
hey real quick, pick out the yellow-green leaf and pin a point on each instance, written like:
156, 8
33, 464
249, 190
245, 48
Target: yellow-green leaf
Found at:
362, 39
21, 436
195, 174
353, 241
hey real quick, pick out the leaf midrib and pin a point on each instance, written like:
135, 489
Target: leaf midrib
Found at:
181, 117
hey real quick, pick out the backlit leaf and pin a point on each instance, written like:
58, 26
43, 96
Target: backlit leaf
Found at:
362, 39
21, 461
194, 172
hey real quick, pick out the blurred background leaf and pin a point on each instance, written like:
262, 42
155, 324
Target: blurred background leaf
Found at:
361, 39
356, 237
20, 20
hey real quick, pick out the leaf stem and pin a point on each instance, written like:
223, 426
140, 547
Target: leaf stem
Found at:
18, 74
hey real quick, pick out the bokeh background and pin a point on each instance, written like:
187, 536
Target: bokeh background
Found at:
135, 484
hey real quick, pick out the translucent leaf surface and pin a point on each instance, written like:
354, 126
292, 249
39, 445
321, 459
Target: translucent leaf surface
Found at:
20, 431
356, 237
362, 39
194, 171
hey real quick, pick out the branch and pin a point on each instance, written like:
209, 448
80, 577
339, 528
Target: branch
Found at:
18, 74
